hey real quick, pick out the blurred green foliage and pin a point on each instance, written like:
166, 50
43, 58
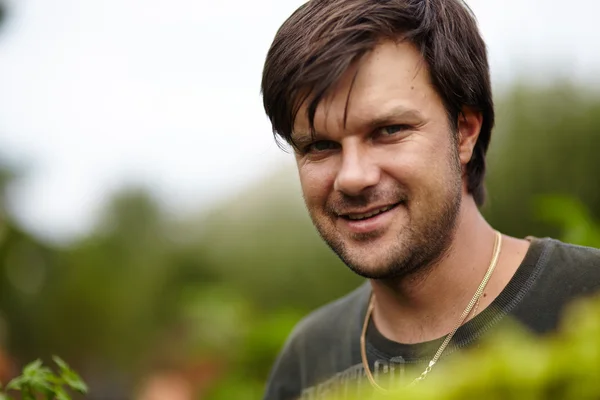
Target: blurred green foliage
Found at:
38, 382
546, 142
512, 364
213, 296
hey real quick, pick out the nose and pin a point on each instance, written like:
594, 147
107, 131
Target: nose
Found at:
357, 172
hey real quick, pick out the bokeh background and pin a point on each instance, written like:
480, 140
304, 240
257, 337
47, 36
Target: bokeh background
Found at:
153, 235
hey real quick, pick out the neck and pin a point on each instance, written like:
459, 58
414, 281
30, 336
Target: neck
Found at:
426, 306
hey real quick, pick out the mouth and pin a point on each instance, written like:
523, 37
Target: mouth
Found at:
361, 216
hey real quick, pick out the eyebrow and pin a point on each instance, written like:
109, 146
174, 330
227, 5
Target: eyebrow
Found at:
301, 138
393, 116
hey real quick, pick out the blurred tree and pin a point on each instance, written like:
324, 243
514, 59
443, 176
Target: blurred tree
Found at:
547, 142
112, 299
266, 247
26, 273
2, 12
109, 295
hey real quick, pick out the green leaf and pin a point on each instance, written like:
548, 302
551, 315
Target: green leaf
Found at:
32, 368
56, 380
70, 377
61, 363
39, 384
76, 383
28, 394
16, 383
60, 394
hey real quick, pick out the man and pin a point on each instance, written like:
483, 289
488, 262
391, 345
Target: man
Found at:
388, 107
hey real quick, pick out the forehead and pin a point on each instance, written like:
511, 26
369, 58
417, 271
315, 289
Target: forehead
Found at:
392, 76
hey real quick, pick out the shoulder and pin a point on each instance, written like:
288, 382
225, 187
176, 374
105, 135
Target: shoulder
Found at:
568, 269
569, 258
560, 251
554, 275
318, 346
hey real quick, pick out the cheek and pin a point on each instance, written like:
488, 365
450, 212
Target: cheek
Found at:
316, 182
419, 168
403, 164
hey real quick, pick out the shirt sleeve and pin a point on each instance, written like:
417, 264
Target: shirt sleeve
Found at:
285, 379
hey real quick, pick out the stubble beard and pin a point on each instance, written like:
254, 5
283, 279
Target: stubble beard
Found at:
420, 245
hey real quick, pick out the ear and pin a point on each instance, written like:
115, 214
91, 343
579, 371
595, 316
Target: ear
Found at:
469, 126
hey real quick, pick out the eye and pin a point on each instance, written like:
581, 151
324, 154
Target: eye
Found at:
391, 130
320, 145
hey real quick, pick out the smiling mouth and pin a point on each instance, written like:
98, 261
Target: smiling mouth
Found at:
370, 214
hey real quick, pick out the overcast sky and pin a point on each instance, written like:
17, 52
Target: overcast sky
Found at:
95, 94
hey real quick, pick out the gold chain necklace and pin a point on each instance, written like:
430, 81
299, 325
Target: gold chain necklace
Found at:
465, 314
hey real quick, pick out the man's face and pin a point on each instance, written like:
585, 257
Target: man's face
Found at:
384, 187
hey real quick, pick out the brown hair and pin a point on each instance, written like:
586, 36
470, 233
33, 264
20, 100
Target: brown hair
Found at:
319, 41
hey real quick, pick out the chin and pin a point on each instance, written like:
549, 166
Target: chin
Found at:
384, 273
388, 264
373, 269
373, 273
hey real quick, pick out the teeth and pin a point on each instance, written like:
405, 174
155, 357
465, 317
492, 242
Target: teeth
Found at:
355, 217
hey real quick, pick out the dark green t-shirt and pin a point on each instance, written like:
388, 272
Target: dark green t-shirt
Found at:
323, 351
